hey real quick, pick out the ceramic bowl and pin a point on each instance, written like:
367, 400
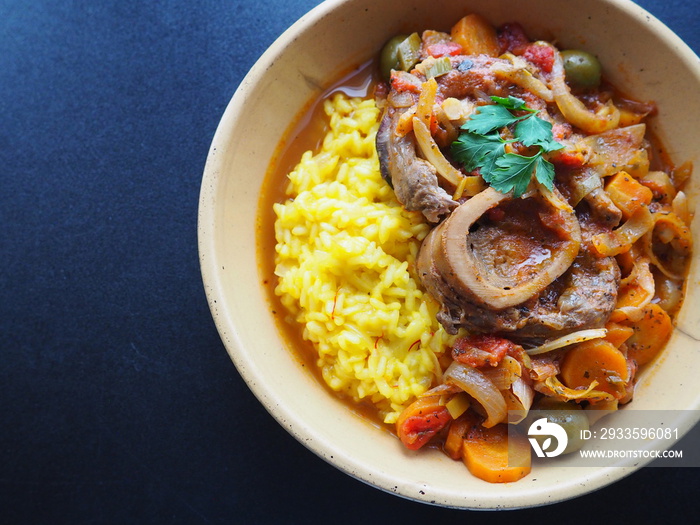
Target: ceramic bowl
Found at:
640, 55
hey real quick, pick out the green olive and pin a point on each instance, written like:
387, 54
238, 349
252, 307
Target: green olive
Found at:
389, 58
582, 69
570, 416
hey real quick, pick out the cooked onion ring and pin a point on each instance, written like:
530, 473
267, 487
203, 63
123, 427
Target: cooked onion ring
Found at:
671, 236
608, 117
477, 385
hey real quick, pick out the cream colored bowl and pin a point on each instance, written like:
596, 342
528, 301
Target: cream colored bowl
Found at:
639, 54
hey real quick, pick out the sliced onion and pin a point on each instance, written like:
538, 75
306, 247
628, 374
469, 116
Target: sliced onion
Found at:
505, 374
519, 400
585, 186
680, 207
620, 240
633, 314
569, 339
677, 234
554, 198
554, 388
450, 128
682, 173
426, 101
573, 109
432, 153
615, 150
637, 289
474, 383
404, 124
542, 367
660, 184
669, 292
440, 390
469, 185
401, 99
517, 73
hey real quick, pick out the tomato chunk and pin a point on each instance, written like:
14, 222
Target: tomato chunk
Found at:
402, 81
421, 420
512, 38
541, 56
481, 350
444, 49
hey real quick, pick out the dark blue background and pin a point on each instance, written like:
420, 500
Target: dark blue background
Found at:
118, 402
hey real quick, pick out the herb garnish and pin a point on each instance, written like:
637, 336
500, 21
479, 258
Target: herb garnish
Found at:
480, 146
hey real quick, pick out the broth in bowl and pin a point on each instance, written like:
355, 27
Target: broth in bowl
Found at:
484, 229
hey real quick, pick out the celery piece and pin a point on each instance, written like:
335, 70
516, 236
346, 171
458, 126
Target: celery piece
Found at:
458, 405
435, 67
409, 52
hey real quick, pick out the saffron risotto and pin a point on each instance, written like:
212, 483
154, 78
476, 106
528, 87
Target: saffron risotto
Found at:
345, 260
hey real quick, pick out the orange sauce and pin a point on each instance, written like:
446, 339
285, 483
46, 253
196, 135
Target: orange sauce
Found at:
306, 133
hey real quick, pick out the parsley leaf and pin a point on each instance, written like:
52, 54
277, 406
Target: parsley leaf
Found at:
513, 173
544, 172
512, 102
534, 131
474, 151
489, 118
487, 166
480, 146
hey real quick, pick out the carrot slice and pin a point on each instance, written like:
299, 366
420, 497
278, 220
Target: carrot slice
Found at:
627, 193
595, 360
458, 430
617, 333
494, 456
651, 333
476, 36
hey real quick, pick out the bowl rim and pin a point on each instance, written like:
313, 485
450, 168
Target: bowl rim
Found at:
209, 267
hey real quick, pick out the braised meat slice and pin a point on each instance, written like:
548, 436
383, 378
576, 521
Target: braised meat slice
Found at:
414, 179
516, 267
583, 297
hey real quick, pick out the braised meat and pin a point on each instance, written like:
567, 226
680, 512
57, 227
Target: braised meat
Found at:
521, 267
414, 179
517, 267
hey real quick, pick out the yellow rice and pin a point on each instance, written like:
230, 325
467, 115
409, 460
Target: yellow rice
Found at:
345, 259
